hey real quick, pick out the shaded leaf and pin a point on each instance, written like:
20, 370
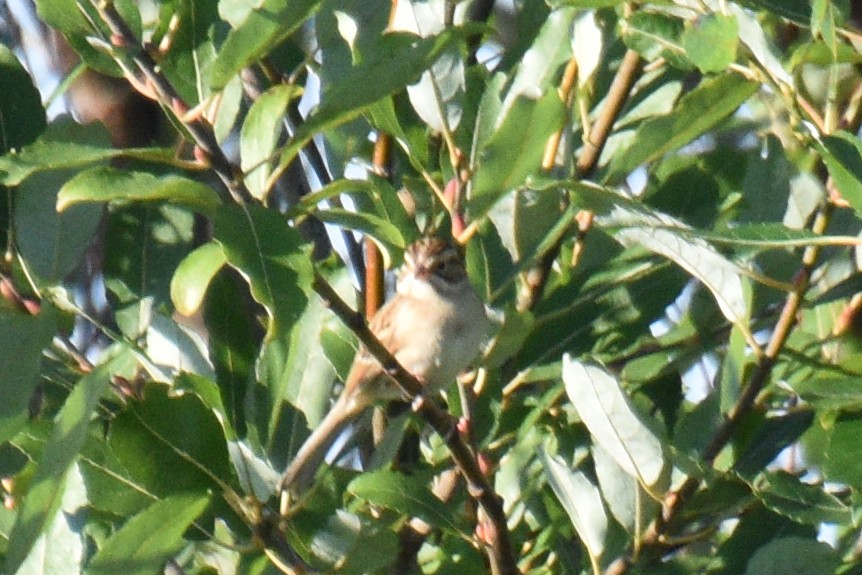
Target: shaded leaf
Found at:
66, 144
260, 134
397, 60
842, 153
633, 223
806, 503
51, 242
515, 149
22, 116
261, 246
793, 555
24, 339
830, 392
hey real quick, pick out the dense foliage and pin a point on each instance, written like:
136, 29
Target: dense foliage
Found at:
660, 202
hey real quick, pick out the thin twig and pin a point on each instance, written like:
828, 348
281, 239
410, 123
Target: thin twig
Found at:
200, 131
628, 72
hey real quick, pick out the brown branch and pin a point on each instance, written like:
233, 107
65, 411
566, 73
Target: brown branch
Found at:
500, 551
373, 258
200, 131
628, 72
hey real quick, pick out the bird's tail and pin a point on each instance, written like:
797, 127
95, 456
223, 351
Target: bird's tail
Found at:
300, 473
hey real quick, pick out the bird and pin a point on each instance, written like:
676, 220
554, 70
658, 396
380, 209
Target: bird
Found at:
434, 325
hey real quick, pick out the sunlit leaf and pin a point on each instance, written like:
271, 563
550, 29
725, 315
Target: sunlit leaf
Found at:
581, 500
614, 423
710, 42
192, 278
107, 184
696, 113
404, 495
146, 541
263, 28
43, 498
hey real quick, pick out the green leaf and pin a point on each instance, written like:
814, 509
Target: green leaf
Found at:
146, 541
797, 10
515, 150
803, 502
51, 243
768, 236
191, 28
830, 392
624, 497
42, 501
405, 495
22, 117
615, 424
193, 276
538, 70
67, 144
149, 240
387, 236
772, 436
260, 134
24, 339
74, 20
61, 547
522, 219
170, 431
296, 369
397, 60
710, 43
261, 245
582, 502
793, 555
348, 543
656, 35
266, 26
842, 153
633, 223
696, 113
843, 450
106, 184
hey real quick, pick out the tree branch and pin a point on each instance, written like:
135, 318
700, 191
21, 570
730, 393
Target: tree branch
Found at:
500, 552
200, 131
652, 543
